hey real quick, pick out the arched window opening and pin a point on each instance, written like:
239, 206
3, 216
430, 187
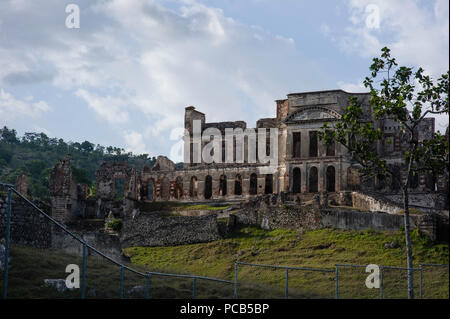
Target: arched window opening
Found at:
296, 180
208, 187
253, 184
313, 180
331, 179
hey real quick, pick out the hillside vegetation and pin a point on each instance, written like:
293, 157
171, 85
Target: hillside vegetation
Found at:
35, 154
315, 249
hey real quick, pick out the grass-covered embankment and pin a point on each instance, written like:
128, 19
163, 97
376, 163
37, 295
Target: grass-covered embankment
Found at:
315, 249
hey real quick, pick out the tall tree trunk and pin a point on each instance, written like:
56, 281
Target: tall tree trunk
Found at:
408, 245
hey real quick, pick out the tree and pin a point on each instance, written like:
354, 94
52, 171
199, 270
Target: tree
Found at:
405, 97
87, 147
8, 136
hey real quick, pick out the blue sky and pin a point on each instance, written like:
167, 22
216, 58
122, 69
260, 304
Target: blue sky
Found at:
124, 77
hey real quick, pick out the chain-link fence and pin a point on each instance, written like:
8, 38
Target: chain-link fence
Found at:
434, 281
269, 281
346, 281
41, 258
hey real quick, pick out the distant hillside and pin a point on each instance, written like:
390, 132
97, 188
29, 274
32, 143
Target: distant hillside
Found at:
36, 154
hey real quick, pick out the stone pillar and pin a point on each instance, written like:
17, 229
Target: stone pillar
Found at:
304, 151
22, 184
304, 178
261, 184
321, 177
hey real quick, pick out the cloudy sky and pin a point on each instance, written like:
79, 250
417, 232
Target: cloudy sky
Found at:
124, 77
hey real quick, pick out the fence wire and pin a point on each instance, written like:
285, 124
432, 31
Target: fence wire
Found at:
276, 282
42, 254
434, 281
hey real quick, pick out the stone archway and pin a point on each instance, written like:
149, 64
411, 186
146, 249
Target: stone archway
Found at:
193, 187
151, 189
179, 187
296, 180
268, 185
165, 189
238, 185
208, 187
253, 184
223, 185
313, 180
331, 179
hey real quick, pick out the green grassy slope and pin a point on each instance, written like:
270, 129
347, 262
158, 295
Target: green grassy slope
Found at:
316, 249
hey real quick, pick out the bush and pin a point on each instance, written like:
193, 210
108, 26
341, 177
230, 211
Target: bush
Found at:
115, 224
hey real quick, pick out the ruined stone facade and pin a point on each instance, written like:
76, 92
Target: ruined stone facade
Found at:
116, 183
305, 164
22, 184
67, 197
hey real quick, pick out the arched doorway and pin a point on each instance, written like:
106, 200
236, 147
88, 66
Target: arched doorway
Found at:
165, 188
238, 185
414, 181
253, 184
331, 179
179, 187
208, 187
313, 180
430, 181
151, 189
296, 180
193, 187
268, 189
223, 185
353, 180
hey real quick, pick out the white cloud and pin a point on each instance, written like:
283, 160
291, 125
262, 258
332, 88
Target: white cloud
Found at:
135, 142
352, 87
416, 32
108, 108
11, 107
138, 60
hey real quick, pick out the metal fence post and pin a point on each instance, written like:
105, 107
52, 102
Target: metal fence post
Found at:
83, 273
7, 235
121, 282
421, 278
147, 286
286, 291
381, 282
337, 282
235, 280
194, 288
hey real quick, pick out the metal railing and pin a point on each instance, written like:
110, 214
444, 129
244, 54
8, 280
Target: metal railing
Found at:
336, 275
86, 246
147, 275
286, 268
421, 268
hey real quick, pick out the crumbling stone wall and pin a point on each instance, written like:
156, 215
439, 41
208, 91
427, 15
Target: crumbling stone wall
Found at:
22, 184
108, 244
67, 197
105, 182
154, 229
27, 226
270, 212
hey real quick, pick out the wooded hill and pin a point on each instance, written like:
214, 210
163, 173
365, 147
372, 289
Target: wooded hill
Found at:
35, 154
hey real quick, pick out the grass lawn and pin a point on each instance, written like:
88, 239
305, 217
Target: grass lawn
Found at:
315, 249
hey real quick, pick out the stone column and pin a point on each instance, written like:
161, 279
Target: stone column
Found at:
321, 177
304, 177
304, 148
